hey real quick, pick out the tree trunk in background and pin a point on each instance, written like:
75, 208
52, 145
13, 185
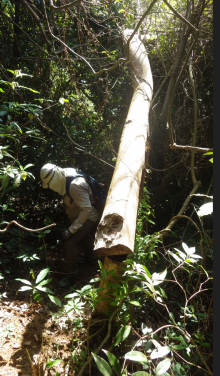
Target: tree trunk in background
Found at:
115, 234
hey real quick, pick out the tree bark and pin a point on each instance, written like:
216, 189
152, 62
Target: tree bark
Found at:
116, 231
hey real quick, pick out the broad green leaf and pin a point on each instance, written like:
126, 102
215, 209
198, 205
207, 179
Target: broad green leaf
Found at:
205, 209
122, 334
28, 165
179, 347
71, 295
25, 288
44, 282
185, 247
181, 254
208, 153
5, 181
17, 181
162, 367
160, 352
102, 365
55, 300
24, 281
113, 362
2, 113
53, 363
134, 302
136, 356
44, 289
41, 275
95, 280
162, 292
140, 373
158, 278
175, 256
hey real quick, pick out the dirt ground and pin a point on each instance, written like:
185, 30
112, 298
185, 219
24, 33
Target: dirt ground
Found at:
30, 335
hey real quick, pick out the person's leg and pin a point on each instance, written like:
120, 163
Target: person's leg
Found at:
88, 244
70, 249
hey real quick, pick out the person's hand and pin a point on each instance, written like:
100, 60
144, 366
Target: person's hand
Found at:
66, 234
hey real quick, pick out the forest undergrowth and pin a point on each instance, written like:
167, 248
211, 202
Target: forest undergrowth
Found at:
159, 320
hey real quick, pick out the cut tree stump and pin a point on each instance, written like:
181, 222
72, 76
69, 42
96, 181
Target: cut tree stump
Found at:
109, 265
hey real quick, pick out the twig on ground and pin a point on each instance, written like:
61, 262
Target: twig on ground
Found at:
25, 228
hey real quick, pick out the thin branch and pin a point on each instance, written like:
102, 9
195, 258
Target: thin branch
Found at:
37, 19
138, 25
181, 17
25, 228
192, 148
169, 121
14, 23
167, 231
65, 5
193, 174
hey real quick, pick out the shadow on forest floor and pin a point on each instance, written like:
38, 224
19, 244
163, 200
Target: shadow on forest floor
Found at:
30, 329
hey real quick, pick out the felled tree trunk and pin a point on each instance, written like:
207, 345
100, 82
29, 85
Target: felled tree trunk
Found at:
115, 234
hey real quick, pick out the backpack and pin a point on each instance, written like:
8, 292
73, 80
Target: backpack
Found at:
97, 188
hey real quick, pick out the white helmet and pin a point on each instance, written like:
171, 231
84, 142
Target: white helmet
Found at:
54, 177
46, 174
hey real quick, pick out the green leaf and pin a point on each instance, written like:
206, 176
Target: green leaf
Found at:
162, 367
95, 280
102, 365
55, 300
136, 356
5, 181
41, 275
179, 347
208, 153
71, 295
45, 281
122, 334
113, 362
28, 165
205, 209
25, 288
160, 352
43, 289
17, 181
24, 281
134, 302
2, 113
158, 278
53, 363
140, 373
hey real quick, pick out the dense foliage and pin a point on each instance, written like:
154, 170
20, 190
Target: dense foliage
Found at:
65, 91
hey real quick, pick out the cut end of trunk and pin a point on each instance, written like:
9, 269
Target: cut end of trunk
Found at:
119, 249
108, 234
